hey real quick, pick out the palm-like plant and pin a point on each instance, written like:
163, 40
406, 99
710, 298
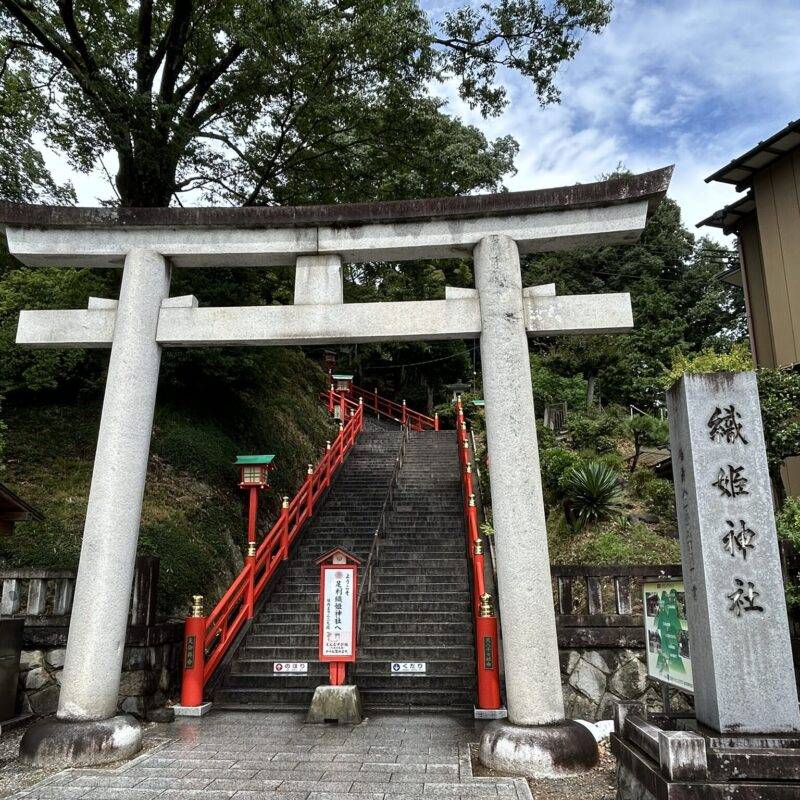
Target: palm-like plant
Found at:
592, 492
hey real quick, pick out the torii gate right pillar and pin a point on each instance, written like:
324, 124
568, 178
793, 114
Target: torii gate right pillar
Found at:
536, 741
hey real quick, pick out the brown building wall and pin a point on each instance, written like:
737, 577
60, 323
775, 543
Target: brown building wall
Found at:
770, 249
777, 193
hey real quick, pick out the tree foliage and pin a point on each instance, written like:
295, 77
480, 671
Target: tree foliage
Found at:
679, 306
645, 430
290, 101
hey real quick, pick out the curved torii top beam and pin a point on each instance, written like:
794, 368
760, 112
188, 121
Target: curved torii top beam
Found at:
605, 212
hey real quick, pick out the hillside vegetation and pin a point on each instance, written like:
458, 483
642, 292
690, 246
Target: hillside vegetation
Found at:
192, 517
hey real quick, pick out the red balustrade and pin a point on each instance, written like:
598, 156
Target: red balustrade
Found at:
486, 638
399, 412
223, 624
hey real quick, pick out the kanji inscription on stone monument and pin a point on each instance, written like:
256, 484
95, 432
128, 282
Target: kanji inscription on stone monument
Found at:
734, 588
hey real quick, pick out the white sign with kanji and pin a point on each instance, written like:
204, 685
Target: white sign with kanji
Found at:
336, 625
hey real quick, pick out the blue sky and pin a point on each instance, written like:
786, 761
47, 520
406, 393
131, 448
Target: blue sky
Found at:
689, 82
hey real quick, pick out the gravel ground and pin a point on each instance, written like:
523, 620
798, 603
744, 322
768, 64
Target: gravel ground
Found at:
599, 784
13, 776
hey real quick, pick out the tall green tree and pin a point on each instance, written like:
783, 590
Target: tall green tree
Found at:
679, 305
286, 101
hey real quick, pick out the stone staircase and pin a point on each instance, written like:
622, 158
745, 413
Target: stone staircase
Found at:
419, 610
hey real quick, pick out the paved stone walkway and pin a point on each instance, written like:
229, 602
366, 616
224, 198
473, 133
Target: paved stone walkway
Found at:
274, 756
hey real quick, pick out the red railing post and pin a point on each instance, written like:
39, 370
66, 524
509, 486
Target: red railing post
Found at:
342, 407
330, 400
194, 641
436, 421
284, 529
404, 417
310, 492
250, 564
487, 653
468, 481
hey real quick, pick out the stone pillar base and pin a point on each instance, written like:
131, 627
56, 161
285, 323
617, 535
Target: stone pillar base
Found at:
53, 742
340, 704
540, 751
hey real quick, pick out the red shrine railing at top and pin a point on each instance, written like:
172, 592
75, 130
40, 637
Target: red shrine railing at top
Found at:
484, 616
382, 406
209, 638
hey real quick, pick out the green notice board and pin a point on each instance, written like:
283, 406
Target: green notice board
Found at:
666, 634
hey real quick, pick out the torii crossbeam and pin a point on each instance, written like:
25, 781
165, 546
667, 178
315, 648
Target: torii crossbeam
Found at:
148, 243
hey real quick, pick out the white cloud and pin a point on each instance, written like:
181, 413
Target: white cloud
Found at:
689, 82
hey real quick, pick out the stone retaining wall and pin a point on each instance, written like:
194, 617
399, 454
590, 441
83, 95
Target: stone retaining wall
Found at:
594, 678
150, 675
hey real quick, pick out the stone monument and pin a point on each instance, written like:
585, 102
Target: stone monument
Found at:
747, 727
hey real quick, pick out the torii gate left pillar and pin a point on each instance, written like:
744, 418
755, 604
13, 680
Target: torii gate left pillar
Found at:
537, 740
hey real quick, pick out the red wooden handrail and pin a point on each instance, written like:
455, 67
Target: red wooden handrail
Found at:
485, 619
399, 412
221, 627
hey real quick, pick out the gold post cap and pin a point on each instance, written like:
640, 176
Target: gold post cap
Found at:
471, 500
478, 547
197, 605
486, 609
361, 401
327, 444
285, 501
469, 467
251, 548
466, 444
310, 469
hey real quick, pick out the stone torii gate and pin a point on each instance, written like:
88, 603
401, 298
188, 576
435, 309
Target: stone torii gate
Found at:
148, 244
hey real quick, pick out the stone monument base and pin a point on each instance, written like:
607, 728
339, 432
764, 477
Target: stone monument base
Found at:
654, 763
55, 742
539, 751
335, 704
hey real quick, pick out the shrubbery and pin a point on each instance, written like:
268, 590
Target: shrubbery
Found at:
657, 493
594, 430
592, 493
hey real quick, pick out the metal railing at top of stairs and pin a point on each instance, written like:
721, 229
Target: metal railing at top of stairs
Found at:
484, 616
365, 591
208, 638
382, 406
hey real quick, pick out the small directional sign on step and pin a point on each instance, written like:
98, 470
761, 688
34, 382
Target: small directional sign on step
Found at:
408, 667
294, 667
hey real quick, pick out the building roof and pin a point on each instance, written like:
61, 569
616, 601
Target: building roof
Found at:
650, 186
727, 218
10, 502
741, 170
